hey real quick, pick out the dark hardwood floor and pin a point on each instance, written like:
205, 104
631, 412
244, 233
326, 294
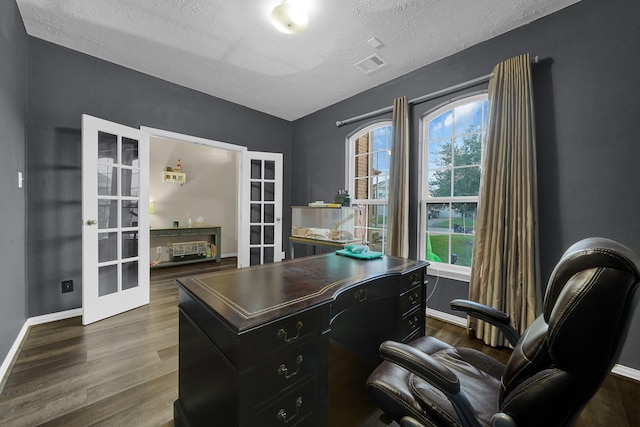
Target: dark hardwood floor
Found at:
122, 371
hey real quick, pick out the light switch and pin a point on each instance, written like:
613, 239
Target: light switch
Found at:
20, 179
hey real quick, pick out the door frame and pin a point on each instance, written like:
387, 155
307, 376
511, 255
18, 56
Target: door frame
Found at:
238, 149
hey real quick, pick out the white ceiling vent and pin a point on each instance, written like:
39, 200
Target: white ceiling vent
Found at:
372, 63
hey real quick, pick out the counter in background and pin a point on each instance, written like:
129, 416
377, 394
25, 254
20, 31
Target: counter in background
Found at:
214, 240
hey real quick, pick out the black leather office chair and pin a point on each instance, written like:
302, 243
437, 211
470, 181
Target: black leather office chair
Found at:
556, 366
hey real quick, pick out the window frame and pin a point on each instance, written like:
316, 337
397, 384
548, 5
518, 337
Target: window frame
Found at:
441, 269
350, 175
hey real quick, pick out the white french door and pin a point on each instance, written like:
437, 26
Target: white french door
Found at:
260, 225
115, 212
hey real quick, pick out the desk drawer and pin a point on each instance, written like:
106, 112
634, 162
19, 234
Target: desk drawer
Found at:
291, 408
411, 323
411, 299
364, 294
288, 369
413, 279
279, 336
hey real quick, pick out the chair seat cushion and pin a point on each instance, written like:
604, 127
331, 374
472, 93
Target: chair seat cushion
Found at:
399, 392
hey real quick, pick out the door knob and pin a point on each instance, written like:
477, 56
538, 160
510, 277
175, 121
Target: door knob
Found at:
92, 222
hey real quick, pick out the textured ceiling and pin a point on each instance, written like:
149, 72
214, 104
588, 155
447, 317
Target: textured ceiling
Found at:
229, 49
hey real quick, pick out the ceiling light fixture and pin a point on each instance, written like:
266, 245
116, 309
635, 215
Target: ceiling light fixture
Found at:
289, 17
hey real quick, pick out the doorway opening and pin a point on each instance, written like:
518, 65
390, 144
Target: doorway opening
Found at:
207, 193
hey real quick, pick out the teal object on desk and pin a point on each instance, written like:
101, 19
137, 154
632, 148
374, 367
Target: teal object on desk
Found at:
359, 252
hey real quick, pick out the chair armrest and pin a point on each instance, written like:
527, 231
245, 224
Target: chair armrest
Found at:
497, 318
421, 364
433, 372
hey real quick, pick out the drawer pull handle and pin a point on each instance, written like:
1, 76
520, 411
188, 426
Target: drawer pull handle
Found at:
282, 370
361, 295
413, 322
282, 414
283, 334
413, 299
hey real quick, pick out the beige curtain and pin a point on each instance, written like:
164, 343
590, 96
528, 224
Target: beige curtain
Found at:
398, 190
504, 272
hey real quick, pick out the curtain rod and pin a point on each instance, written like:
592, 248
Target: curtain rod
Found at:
424, 98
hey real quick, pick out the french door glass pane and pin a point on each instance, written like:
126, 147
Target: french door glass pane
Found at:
254, 256
256, 169
129, 213
268, 255
129, 244
129, 275
130, 182
129, 151
269, 192
255, 213
268, 234
269, 170
107, 280
269, 213
107, 247
107, 213
107, 180
256, 191
255, 234
107, 147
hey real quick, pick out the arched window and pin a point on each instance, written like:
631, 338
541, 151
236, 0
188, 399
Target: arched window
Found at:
450, 180
368, 155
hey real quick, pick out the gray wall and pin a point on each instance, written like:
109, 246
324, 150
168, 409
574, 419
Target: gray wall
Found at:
13, 97
586, 101
63, 85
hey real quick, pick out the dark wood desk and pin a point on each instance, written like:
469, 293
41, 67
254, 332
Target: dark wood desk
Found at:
254, 342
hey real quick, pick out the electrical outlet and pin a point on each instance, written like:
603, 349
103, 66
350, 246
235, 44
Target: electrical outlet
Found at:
159, 249
67, 286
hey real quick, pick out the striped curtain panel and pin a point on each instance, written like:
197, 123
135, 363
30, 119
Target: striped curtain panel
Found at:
505, 265
398, 190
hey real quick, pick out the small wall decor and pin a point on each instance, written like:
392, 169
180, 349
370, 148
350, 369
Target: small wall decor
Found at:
177, 177
174, 174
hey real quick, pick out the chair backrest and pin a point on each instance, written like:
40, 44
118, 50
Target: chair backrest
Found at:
564, 356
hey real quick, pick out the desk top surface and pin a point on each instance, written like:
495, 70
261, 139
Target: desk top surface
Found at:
251, 296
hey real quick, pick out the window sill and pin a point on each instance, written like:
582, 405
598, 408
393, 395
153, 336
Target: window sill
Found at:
447, 271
